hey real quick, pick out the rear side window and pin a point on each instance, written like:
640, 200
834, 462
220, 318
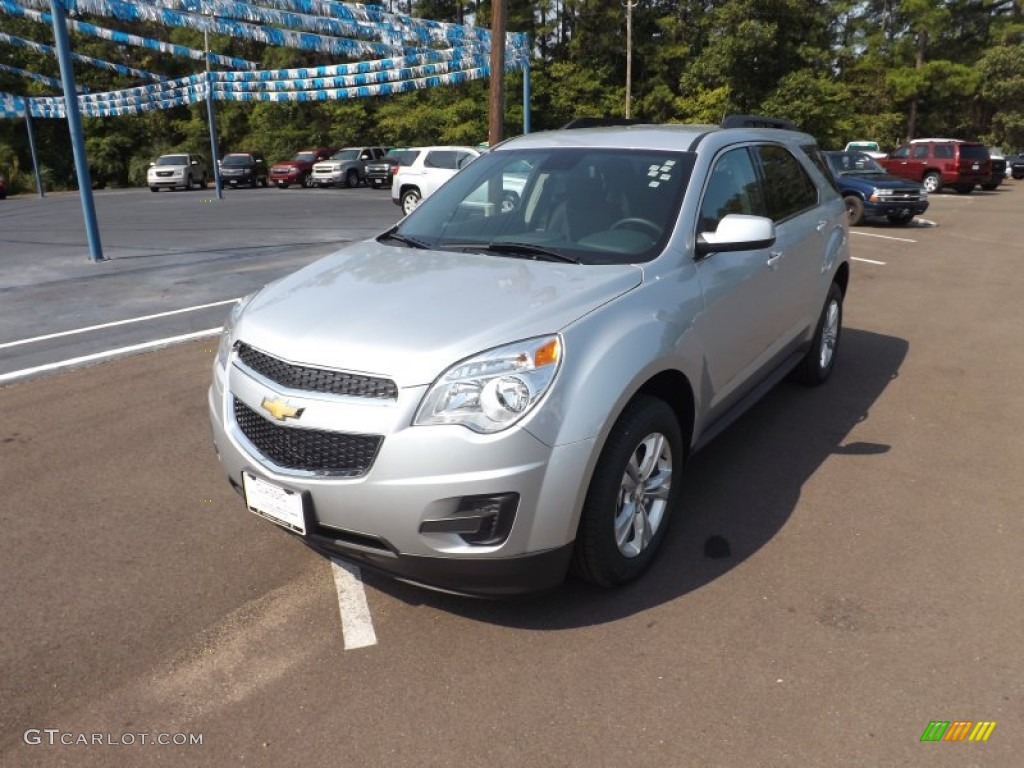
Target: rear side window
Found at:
973, 152
788, 188
818, 158
943, 151
442, 158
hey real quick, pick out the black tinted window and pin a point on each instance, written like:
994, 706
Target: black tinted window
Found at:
788, 188
973, 152
732, 188
944, 151
442, 158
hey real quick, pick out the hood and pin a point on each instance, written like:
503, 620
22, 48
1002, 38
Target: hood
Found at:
409, 314
292, 164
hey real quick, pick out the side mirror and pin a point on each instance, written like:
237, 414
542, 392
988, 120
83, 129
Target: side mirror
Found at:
737, 232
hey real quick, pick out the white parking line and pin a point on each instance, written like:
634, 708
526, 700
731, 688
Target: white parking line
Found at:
4, 377
88, 328
885, 237
356, 624
869, 261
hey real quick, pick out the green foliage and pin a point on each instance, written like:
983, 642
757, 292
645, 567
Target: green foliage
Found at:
841, 69
819, 105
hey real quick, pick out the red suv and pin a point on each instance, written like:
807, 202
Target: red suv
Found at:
298, 169
938, 163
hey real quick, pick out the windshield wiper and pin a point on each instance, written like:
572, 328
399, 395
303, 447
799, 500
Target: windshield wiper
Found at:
516, 249
412, 242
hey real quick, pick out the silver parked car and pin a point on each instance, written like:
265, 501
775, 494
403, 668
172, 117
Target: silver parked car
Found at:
491, 394
178, 171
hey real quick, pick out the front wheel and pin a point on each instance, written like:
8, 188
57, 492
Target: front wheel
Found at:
410, 200
932, 183
854, 209
308, 181
820, 359
900, 218
632, 495
352, 179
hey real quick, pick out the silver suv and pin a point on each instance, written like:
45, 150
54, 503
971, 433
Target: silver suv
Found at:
346, 167
177, 171
489, 395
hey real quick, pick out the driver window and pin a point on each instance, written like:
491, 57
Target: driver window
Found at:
731, 188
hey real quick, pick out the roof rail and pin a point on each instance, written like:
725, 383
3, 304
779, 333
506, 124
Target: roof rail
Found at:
757, 121
600, 122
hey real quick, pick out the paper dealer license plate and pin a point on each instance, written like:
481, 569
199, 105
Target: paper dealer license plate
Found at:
277, 504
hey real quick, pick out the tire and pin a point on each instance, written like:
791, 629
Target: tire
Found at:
990, 187
190, 184
509, 201
154, 189
623, 522
264, 183
308, 181
282, 185
854, 209
205, 183
900, 218
817, 364
932, 182
964, 189
352, 179
410, 200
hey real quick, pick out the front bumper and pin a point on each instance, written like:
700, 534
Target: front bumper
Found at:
167, 181
895, 208
420, 475
328, 178
292, 176
234, 178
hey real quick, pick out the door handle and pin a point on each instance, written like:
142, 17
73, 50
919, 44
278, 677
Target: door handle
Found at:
774, 257
821, 226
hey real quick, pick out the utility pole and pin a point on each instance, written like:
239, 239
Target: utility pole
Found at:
496, 104
630, 5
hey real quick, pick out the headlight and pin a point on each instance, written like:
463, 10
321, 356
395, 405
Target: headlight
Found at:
224, 348
493, 390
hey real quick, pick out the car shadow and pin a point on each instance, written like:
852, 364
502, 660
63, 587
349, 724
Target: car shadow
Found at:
738, 493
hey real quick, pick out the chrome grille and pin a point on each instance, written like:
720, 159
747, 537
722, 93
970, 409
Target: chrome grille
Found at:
310, 450
316, 379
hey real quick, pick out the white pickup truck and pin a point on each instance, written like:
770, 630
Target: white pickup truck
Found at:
869, 148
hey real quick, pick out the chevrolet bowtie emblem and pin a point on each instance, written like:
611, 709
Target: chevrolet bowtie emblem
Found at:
280, 410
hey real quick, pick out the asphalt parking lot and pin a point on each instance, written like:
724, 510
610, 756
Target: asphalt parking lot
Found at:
871, 583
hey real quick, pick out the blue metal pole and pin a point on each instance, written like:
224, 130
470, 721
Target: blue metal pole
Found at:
212, 121
32, 149
67, 77
526, 96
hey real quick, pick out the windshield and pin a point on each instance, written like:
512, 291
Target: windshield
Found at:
237, 160
853, 162
173, 160
594, 206
304, 157
346, 154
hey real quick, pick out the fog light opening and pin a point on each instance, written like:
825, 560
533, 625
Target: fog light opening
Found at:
496, 515
481, 521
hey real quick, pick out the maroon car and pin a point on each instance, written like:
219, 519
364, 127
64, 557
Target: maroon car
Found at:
297, 170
